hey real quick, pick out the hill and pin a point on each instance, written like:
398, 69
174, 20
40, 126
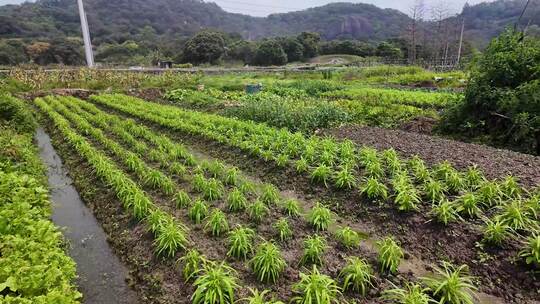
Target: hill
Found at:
487, 20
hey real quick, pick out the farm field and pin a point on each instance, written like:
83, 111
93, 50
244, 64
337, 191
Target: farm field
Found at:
212, 195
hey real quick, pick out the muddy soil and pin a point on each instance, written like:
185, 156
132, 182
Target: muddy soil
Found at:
497, 269
101, 275
496, 163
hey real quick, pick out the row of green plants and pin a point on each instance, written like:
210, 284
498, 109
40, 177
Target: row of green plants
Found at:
319, 105
384, 96
170, 235
34, 267
336, 164
406, 76
267, 262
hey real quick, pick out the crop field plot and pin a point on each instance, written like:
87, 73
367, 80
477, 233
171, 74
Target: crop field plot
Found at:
206, 208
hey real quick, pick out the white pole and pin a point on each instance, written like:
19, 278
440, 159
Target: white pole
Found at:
461, 41
86, 35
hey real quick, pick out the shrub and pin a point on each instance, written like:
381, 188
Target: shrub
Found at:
270, 52
502, 95
267, 263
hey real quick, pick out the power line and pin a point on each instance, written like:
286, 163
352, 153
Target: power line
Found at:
259, 5
245, 9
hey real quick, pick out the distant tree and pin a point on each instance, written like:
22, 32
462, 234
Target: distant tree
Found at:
270, 52
310, 42
242, 50
293, 48
12, 52
388, 50
119, 53
417, 15
349, 47
205, 47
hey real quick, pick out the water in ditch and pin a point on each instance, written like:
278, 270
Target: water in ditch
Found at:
102, 277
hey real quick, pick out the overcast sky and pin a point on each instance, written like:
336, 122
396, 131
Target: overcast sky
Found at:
266, 7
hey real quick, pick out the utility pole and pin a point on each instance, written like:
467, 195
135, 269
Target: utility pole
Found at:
460, 41
86, 36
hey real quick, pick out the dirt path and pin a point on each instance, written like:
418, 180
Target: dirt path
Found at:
494, 162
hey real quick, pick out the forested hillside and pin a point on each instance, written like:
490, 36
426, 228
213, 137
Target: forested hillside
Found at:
48, 31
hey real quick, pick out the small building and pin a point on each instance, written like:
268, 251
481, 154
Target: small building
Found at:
165, 64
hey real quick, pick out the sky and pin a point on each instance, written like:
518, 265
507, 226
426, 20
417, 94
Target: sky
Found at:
266, 7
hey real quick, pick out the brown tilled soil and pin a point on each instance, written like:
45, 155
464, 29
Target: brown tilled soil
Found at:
496, 163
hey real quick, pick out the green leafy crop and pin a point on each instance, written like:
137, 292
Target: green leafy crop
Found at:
267, 264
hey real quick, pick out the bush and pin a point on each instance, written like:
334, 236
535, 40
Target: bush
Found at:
15, 112
502, 101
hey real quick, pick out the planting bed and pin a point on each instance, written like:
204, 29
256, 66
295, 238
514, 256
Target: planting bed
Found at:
496, 163
146, 168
